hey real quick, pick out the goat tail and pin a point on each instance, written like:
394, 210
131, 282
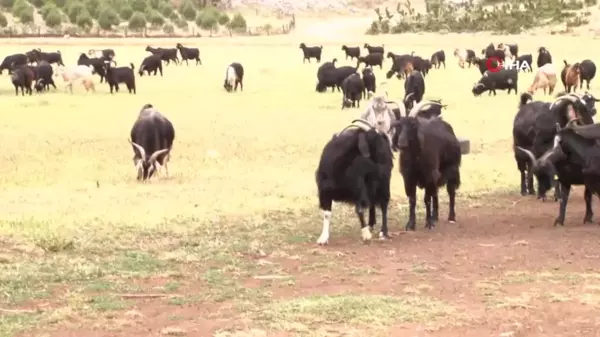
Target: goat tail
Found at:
132, 66
565, 61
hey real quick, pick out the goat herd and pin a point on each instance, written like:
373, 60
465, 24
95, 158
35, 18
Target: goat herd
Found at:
553, 141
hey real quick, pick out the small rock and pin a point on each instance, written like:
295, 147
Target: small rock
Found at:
169, 331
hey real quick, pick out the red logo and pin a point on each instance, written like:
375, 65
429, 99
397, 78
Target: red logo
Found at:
493, 64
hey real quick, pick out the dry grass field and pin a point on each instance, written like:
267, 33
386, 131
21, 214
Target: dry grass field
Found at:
226, 245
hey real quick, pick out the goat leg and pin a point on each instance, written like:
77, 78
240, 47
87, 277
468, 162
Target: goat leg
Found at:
451, 189
429, 223
557, 193
411, 193
364, 229
435, 206
383, 235
589, 214
562, 209
371, 217
530, 187
325, 203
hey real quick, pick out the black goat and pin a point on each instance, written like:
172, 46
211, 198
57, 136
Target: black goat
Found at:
504, 79
152, 133
414, 89
107, 54
430, 157
544, 57
166, 54
99, 64
352, 52
53, 57
12, 61
372, 59
372, 50
525, 59
588, 72
43, 76
234, 75
399, 63
126, 75
356, 168
438, 58
311, 52
352, 91
189, 54
325, 76
333, 77
369, 80
151, 63
22, 77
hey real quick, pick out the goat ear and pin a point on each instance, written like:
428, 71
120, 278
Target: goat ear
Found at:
363, 146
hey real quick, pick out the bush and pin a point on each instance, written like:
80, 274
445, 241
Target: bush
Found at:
207, 19
26, 16
8, 4
137, 21
139, 5
60, 3
47, 8
223, 19
3, 21
168, 29
93, 7
155, 3
53, 18
174, 16
126, 12
37, 3
84, 20
18, 7
155, 19
107, 18
75, 8
165, 9
188, 11
238, 23
181, 23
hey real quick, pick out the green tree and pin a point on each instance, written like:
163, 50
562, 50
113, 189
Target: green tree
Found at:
3, 21
174, 16
207, 20
61, 3
188, 11
7, 4
107, 18
26, 16
166, 9
84, 20
155, 19
154, 3
238, 23
139, 5
53, 18
126, 12
168, 28
46, 8
75, 8
223, 19
18, 7
37, 3
181, 23
137, 21
93, 7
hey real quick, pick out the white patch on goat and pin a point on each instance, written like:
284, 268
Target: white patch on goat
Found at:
366, 233
381, 236
324, 238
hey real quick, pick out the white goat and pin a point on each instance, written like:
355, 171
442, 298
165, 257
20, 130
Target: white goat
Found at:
379, 114
462, 56
72, 74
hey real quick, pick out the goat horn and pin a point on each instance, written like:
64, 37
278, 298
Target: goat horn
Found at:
572, 122
420, 106
407, 96
140, 149
529, 154
562, 98
155, 155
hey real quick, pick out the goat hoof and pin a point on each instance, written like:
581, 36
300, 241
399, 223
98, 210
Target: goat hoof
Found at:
410, 226
366, 234
383, 236
558, 222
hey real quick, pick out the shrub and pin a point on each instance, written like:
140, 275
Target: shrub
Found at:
3, 21
53, 18
174, 16
93, 7
165, 9
168, 28
155, 19
26, 15
75, 8
223, 19
154, 3
139, 5
18, 7
7, 3
181, 23
126, 12
207, 19
37, 3
238, 23
107, 18
47, 8
84, 20
137, 21
60, 4
188, 11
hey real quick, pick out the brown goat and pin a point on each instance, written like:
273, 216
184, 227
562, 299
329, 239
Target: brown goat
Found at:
544, 78
570, 76
408, 68
88, 84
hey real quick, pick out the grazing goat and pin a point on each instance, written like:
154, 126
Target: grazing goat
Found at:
151, 63
22, 77
73, 74
166, 54
53, 57
420, 64
352, 91
588, 71
126, 75
12, 61
503, 79
189, 54
399, 63
414, 89
43, 76
511, 51
234, 75
430, 157
570, 76
97, 63
545, 78
352, 52
355, 167
107, 54
372, 50
464, 56
544, 57
152, 133
369, 80
311, 52
373, 59
332, 77
379, 114
525, 59
30, 56
438, 58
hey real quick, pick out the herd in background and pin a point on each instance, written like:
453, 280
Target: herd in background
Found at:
556, 141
